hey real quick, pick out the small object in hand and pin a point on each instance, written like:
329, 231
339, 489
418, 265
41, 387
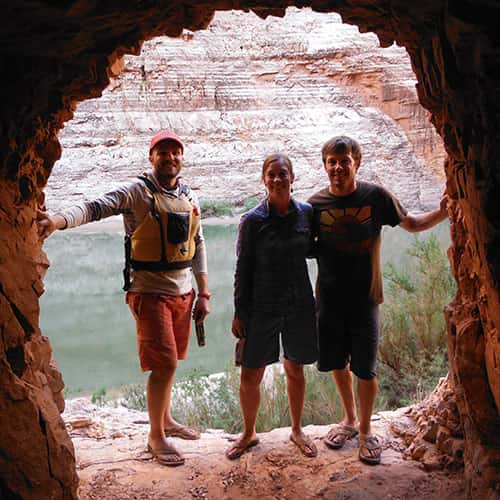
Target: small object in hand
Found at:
238, 351
200, 330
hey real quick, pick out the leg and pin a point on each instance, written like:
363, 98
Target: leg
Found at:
363, 364
249, 401
180, 308
348, 428
334, 355
159, 388
369, 447
295, 388
157, 353
344, 382
367, 392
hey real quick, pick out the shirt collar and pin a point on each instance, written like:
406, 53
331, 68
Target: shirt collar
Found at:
268, 211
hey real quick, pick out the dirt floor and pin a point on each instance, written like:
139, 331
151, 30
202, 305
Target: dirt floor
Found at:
113, 463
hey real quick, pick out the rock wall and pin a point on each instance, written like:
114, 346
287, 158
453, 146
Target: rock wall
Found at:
55, 54
244, 88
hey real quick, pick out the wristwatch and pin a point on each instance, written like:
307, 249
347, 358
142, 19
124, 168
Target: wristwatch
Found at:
205, 295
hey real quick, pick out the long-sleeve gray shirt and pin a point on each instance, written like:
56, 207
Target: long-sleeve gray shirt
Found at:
133, 201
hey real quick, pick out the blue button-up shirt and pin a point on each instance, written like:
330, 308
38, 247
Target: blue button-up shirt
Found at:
271, 270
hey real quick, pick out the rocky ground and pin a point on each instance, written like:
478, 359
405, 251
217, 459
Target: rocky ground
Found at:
113, 463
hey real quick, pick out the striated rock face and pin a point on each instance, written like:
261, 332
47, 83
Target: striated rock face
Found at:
55, 54
245, 88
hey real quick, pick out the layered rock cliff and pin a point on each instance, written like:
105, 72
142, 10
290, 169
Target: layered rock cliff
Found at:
245, 88
56, 54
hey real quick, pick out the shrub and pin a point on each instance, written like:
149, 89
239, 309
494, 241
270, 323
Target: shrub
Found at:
214, 208
251, 202
213, 401
412, 354
134, 397
99, 397
208, 402
322, 403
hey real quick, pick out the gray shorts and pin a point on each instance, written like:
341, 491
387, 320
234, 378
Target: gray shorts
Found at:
298, 337
348, 334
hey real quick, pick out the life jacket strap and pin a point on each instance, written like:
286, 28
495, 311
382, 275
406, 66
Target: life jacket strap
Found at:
126, 269
159, 266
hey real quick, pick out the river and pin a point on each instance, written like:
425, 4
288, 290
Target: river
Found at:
90, 327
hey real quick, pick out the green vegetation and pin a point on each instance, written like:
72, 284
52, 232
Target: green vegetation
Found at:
226, 208
99, 397
251, 202
214, 208
213, 402
412, 352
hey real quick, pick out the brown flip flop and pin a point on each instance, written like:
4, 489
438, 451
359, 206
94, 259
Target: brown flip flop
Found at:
168, 457
239, 448
373, 449
338, 435
182, 432
305, 445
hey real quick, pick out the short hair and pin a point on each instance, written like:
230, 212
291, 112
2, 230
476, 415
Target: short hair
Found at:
282, 158
341, 144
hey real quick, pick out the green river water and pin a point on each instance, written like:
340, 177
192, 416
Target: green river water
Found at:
90, 327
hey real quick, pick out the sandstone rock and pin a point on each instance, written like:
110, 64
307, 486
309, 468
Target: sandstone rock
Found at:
431, 430
119, 465
56, 54
432, 461
275, 85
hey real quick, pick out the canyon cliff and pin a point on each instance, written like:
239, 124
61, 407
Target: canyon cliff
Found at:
244, 88
54, 55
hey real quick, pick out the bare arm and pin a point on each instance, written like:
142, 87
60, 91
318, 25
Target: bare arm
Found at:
421, 222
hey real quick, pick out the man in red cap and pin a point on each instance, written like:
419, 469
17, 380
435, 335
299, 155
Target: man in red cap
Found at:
164, 247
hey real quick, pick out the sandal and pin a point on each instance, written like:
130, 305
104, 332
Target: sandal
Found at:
337, 436
240, 447
182, 432
167, 456
372, 445
305, 445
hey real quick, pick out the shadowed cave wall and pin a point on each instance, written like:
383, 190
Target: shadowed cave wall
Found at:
54, 54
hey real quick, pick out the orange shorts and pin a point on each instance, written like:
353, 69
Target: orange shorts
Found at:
163, 327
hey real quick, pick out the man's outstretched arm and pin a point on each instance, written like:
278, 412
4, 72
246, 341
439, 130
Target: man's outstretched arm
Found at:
420, 222
47, 224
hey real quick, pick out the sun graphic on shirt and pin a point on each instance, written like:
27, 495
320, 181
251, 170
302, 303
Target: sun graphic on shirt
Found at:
348, 229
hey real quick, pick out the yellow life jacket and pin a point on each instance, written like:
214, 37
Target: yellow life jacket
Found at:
165, 239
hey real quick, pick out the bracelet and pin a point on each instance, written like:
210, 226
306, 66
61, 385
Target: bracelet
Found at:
205, 295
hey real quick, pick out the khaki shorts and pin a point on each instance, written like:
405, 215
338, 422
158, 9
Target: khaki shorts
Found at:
163, 327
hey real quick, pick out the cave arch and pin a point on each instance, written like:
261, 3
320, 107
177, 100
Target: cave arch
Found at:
55, 54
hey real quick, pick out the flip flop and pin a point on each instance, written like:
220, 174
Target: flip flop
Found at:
337, 436
168, 457
239, 448
305, 445
373, 447
181, 432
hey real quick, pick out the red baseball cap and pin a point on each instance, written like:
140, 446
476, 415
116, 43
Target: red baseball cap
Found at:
165, 135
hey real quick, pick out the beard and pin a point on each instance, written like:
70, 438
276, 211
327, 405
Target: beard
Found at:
166, 170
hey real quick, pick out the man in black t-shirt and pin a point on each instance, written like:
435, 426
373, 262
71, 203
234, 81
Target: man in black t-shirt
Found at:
348, 217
